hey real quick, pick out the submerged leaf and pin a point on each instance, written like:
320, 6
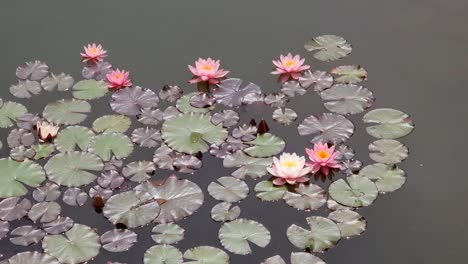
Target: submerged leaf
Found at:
230, 93
331, 128
112, 123
356, 191
388, 178
330, 47
9, 112
162, 254
224, 212
25, 89
14, 174
206, 255
347, 99
67, 111
389, 123
323, 234
89, 89
306, 197
167, 233
236, 235
73, 136
111, 144
228, 189
265, 145
118, 240
387, 151
267, 191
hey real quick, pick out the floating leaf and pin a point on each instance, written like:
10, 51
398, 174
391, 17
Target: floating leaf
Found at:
350, 73
43, 150
187, 163
99, 192
112, 123
61, 82
20, 137
146, 137
347, 99
75, 197
110, 179
305, 258
72, 169
333, 205
131, 101
14, 174
330, 47
321, 80
150, 116
306, 197
228, 189
97, 71
73, 136
21, 153
164, 157
25, 89
79, 244
139, 171
349, 222
167, 233
32, 70
265, 145
356, 191
274, 260
323, 234
329, 127
67, 111
191, 132
236, 235
388, 178
284, 117
118, 240
89, 89
162, 254
389, 123
44, 212
253, 167
246, 132
32, 258
206, 255
9, 112
58, 226
228, 117
276, 100
4, 229
108, 144
184, 105
230, 93
14, 209
202, 100
26, 235
267, 191
170, 93
224, 212
350, 166
177, 198
291, 88
387, 151
47, 192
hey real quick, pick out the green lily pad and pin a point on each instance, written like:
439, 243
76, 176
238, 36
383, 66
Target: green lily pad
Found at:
79, 244
89, 89
356, 192
389, 123
73, 169
228, 189
167, 233
32, 258
112, 123
108, 144
323, 234
330, 47
388, 178
387, 151
306, 197
267, 191
305, 258
350, 222
73, 136
9, 112
224, 212
192, 132
236, 235
183, 104
206, 255
67, 111
14, 174
265, 145
248, 166
43, 150
350, 74
162, 254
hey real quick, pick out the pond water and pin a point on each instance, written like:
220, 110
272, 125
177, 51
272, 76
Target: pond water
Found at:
414, 53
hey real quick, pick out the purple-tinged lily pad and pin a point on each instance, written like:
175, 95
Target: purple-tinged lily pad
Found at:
328, 127
25, 89
44, 212
170, 93
26, 235
32, 70
97, 71
61, 82
75, 197
230, 93
14, 208
150, 116
132, 101
146, 137
47, 192
110, 179
58, 226
118, 240
228, 117
320, 80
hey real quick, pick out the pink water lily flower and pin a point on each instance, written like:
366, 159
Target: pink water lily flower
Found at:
118, 79
207, 71
289, 67
93, 53
46, 132
322, 158
289, 168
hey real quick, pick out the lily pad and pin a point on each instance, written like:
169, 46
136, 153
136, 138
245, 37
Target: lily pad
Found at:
73, 169
330, 47
228, 189
146, 137
356, 191
131, 210
67, 111
44, 212
329, 127
388, 178
58, 226
265, 145
43, 150
14, 174
224, 212
73, 136
111, 144
350, 73
118, 240
192, 132
170, 93
228, 117
150, 116
61, 82
162, 254
206, 255
389, 123
349, 222
230, 93
79, 244
89, 89
112, 123
306, 197
347, 99
320, 80
75, 197
167, 233
284, 117
9, 112
387, 151
32, 70
32, 258
323, 234
236, 235
139, 171
277, 259
291, 88
14, 208
305, 258
97, 71
184, 105
25, 89
47, 192
4, 229
267, 191
253, 167
133, 100
26, 235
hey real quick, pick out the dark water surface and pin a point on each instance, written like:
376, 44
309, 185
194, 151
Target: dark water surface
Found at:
416, 56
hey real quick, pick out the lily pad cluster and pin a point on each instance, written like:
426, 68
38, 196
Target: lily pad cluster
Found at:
66, 156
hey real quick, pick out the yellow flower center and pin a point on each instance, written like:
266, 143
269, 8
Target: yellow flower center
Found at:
118, 76
207, 67
290, 164
93, 51
323, 154
290, 63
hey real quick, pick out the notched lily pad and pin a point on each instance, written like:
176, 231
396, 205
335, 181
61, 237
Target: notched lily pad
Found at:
306, 197
350, 223
32, 70
228, 189
25, 89
26, 235
323, 234
118, 240
162, 254
73, 136
14, 175
10, 112
61, 82
387, 151
44, 212
389, 123
206, 255
132, 101
388, 178
14, 208
267, 191
31, 258
248, 166
236, 235
347, 99
167, 233
350, 73
328, 127
111, 144
230, 93
224, 212
265, 145
356, 191
330, 47
112, 123
89, 89
67, 111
